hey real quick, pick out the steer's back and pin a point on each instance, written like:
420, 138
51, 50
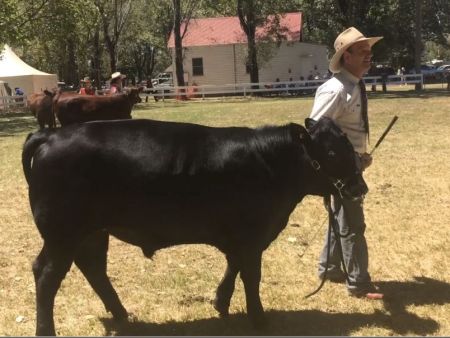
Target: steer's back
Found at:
182, 183
84, 108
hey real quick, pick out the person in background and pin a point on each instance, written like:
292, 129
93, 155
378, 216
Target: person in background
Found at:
18, 92
343, 99
116, 83
86, 87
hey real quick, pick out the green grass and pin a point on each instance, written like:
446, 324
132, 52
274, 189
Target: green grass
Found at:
407, 213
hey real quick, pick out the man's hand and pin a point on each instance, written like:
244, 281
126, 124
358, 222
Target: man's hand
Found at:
366, 161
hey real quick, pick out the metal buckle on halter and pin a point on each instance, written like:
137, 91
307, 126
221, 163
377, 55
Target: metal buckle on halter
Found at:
338, 184
315, 165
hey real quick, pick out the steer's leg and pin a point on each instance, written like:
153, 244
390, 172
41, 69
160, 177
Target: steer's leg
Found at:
251, 277
91, 259
49, 270
226, 287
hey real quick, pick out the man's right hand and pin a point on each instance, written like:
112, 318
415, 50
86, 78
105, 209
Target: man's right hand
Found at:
366, 160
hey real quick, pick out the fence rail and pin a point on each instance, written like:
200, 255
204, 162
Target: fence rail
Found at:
242, 89
14, 101
272, 88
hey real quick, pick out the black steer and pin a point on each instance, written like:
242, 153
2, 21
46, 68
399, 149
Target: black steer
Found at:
157, 184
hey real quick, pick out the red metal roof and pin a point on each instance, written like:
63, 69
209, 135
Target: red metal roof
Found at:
227, 30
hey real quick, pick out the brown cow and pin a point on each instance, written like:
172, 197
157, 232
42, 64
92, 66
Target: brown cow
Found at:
84, 108
40, 105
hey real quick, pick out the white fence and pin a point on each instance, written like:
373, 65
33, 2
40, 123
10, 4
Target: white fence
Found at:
289, 88
271, 88
14, 101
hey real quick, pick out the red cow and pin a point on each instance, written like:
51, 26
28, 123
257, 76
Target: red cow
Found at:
84, 108
40, 105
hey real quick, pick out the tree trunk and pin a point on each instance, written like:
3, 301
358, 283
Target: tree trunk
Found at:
72, 73
418, 41
248, 23
253, 59
96, 61
112, 52
179, 71
150, 62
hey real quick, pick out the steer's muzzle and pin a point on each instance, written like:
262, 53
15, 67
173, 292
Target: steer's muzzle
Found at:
355, 188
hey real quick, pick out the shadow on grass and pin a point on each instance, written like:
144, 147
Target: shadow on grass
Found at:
421, 291
17, 123
396, 318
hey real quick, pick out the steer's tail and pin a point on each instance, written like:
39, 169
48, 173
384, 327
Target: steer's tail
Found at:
32, 142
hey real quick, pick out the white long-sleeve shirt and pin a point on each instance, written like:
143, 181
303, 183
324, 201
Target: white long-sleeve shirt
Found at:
340, 99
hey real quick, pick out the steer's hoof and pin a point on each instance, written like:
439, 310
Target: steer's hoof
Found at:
221, 308
120, 314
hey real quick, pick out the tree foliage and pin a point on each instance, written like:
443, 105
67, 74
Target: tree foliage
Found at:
393, 19
96, 37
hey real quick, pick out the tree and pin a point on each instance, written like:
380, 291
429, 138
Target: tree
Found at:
393, 19
418, 40
249, 20
179, 71
181, 15
62, 42
114, 16
16, 16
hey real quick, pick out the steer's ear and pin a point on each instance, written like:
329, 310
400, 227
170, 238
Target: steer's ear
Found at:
309, 123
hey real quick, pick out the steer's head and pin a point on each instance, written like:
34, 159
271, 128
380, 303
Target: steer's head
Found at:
333, 157
133, 94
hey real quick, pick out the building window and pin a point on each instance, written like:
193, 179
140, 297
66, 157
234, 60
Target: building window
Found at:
197, 66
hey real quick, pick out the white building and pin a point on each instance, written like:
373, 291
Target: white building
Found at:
215, 52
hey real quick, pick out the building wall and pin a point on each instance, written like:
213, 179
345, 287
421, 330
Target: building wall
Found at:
225, 64
293, 60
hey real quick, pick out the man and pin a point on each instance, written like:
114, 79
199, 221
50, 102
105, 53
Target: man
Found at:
343, 99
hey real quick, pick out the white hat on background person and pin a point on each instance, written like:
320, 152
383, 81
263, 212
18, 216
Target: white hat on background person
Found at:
116, 75
344, 40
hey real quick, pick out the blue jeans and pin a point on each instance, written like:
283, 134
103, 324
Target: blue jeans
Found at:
350, 215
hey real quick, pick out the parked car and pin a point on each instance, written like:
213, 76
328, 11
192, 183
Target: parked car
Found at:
380, 70
443, 71
428, 72
64, 87
165, 79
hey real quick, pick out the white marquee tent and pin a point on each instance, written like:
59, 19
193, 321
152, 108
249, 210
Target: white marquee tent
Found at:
19, 74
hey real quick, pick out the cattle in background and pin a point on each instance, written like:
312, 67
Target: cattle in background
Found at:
40, 105
157, 184
84, 108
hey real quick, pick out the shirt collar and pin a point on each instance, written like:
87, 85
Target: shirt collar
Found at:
349, 76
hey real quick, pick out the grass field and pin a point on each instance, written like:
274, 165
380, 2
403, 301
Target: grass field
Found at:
407, 213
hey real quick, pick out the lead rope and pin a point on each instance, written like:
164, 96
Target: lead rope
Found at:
327, 202
333, 225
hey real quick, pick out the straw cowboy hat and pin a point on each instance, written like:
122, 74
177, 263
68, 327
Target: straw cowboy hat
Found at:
87, 79
344, 41
116, 75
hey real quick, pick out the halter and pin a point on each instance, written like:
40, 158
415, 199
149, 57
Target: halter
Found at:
339, 184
